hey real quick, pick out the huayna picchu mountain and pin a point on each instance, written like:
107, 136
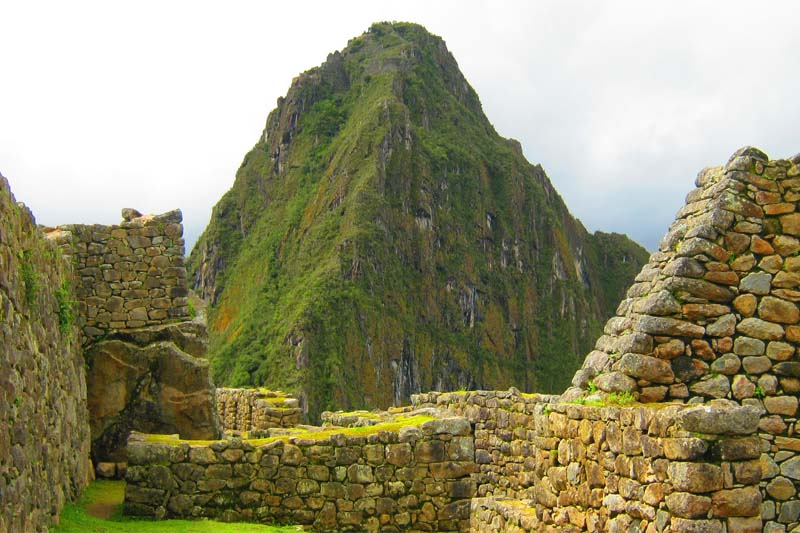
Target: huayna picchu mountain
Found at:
382, 239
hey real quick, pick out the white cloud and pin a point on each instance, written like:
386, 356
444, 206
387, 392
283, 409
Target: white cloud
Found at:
153, 105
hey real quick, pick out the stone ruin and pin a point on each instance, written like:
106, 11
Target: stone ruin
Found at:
683, 419
145, 354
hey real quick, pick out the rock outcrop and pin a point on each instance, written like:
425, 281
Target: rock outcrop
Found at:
145, 381
44, 423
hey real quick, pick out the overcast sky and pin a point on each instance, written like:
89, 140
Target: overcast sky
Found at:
152, 105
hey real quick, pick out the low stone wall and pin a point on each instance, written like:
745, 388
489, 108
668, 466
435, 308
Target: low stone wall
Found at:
548, 465
44, 424
254, 410
130, 275
414, 478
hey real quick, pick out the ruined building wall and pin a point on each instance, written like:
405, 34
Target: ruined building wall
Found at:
131, 274
44, 423
544, 465
416, 479
146, 369
714, 315
256, 410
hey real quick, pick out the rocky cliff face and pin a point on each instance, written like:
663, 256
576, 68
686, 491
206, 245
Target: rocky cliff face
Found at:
381, 239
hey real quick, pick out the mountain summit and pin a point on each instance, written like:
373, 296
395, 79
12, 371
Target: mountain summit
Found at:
381, 238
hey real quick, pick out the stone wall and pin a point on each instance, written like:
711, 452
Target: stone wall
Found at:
714, 314
131, 275
571, 467
417, 478
145, 356
256, 410
44, 424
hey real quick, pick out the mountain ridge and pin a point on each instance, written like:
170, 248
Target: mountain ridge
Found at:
381, 238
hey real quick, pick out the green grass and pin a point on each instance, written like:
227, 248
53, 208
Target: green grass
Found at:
77, 517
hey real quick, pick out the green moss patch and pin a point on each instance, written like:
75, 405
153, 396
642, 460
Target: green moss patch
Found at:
362, 431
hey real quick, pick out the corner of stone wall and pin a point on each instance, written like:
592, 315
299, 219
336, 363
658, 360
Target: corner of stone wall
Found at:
714, 315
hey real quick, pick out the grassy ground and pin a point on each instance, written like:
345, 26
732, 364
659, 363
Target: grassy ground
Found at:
100, 511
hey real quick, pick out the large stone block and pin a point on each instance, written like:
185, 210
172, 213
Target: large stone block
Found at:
154, 388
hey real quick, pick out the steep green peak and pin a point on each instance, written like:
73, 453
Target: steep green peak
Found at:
413, 65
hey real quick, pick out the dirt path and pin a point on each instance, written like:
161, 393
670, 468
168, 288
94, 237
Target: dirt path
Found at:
103, 510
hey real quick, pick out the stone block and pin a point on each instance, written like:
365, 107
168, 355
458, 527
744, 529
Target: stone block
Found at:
688, 505
696, 478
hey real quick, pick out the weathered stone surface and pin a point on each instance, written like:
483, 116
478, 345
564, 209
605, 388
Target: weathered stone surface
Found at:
756, 283
724, 326
670, 349
736, 502
791, 224
713, 387
777, 310
668, 326
699, 289
787, 368
688, 369
635, 342
646, 367
684, 449
740, 524
727, 364
781, 405
781, 488
780, 351
760, 246
745, 304
615, 382
694, 311
685, 267
756, 364
178, 399
696, 478
786, 280
450, 426
737, 449
659, 303
742, 387
745, 346
719, 417
760, 329
688, 505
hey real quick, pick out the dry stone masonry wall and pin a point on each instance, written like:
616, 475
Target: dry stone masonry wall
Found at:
714, 315
146, 366
256, 410
417, 478
131, 275
44, 423
546, 466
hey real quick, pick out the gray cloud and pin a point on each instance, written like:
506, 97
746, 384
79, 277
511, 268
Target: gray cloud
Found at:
153, 105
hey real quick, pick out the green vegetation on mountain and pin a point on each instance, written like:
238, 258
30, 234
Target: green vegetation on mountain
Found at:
381, 238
